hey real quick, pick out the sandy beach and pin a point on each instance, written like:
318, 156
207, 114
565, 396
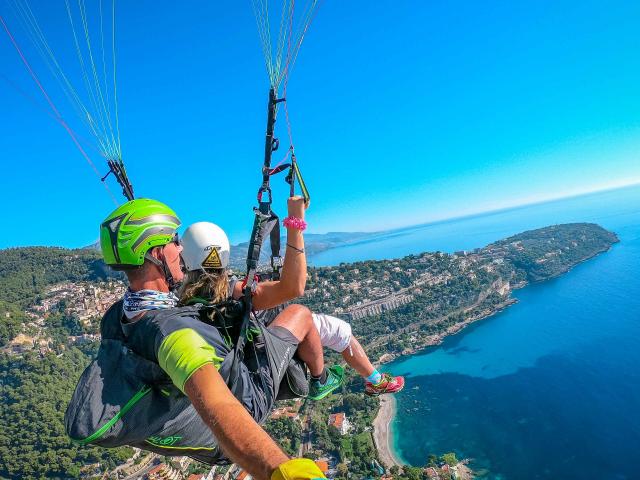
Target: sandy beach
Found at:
382, 435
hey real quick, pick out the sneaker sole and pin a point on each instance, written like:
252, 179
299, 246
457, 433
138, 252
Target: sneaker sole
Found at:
377, 394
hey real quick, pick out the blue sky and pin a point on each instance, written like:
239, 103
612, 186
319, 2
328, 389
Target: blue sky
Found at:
402, 113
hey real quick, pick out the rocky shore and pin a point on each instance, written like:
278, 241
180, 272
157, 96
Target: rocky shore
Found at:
437, 339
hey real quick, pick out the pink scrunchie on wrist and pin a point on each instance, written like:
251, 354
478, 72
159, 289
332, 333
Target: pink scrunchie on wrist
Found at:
294, 222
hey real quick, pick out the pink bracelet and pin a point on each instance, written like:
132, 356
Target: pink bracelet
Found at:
294, 222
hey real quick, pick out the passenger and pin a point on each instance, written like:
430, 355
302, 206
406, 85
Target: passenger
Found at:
206, 253
162, 377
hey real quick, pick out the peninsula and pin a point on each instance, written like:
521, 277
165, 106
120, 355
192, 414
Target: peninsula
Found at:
389, 302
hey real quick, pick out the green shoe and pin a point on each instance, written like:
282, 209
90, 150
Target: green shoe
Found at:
335, 378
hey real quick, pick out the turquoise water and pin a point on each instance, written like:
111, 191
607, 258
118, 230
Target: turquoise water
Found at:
549, 388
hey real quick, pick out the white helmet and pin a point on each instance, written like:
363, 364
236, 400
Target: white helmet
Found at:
204, 245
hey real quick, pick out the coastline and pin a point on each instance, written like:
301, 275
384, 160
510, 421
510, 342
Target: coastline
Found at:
382, 434
438, 338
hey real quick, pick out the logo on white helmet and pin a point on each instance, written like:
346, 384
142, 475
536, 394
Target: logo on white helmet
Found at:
213, 259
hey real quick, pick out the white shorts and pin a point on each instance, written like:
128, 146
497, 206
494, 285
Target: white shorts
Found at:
334, 332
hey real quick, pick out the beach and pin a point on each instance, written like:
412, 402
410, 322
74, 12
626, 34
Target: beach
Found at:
382, 435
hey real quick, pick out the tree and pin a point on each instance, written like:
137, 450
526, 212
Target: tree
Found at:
412, 473
450, 459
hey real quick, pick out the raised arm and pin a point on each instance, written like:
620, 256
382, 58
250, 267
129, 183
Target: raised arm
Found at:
293, 277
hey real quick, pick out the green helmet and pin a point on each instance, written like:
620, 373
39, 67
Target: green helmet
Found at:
135, 228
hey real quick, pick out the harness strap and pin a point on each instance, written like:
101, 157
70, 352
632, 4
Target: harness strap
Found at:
271, 144
265, 223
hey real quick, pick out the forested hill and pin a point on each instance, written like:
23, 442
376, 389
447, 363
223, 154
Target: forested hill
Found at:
50, 300
26, 272
551, 251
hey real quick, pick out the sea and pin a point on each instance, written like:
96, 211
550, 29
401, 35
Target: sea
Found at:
548, 388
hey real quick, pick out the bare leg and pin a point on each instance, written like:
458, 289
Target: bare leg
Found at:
297, 319
357, 359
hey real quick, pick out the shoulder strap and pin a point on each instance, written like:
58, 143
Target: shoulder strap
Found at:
110, 325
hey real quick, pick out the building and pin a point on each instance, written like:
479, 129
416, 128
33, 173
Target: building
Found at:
288, 412
181, 463
431, 472
164, 472
340, 421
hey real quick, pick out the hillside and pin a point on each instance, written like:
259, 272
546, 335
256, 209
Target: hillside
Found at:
26, 272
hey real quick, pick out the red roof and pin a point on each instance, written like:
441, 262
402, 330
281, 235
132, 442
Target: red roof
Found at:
323, 466
336, 419
431, 472
157, 469
195, 476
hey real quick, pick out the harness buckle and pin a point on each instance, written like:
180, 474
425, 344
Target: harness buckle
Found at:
277, 262
263, 189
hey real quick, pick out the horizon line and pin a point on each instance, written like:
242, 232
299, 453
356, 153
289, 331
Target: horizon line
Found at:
503, 209
428, 222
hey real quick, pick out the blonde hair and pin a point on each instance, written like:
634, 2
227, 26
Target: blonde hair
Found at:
210, 284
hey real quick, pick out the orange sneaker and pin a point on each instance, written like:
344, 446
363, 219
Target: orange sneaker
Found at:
387, 384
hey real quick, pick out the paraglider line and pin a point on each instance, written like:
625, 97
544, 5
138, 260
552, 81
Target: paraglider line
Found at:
53, 107
291, 59
44, 110
31, 72
286, 157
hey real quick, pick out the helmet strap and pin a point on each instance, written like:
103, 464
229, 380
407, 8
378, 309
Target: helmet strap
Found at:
168, 277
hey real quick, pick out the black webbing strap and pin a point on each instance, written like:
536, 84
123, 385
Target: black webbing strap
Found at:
274, 240
271, 143
266, 223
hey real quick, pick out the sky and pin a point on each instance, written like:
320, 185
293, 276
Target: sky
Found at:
402, 113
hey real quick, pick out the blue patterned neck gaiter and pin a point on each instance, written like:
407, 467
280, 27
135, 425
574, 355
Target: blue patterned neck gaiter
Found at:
141, 301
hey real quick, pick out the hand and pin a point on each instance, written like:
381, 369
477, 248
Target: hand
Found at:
296, 206
298, 468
